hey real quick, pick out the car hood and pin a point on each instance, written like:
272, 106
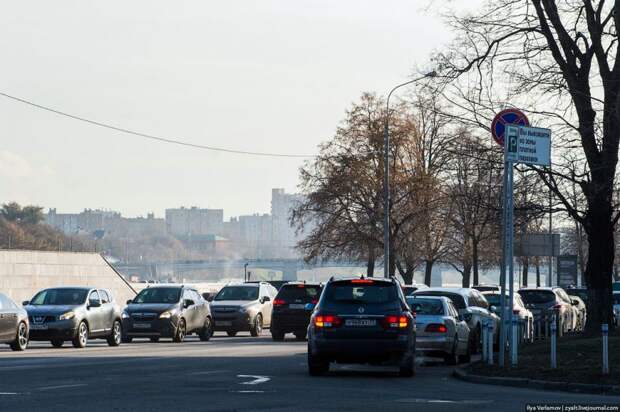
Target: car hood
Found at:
49, 309
236, 303
150, 307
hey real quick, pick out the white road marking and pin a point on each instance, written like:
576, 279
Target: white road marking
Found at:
256, 379
206, 372
47, 388
9, 393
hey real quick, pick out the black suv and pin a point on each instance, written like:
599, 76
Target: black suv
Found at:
361, 320
292, 308
172, 311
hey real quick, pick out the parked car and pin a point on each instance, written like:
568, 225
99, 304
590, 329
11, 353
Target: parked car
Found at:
474, 309
577, 291
440, 330
243, 307
361, 320
292, 307
543, 302
524, 315
411, 289
74, 313
13, 324
487, 288
167, 311
580, 306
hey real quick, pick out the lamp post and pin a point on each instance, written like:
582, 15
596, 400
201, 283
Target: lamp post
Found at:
245, 272
386, 175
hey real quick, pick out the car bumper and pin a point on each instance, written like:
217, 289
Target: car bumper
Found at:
231, 321
432, 344
62, 329
361, 350
164, 328
290, 323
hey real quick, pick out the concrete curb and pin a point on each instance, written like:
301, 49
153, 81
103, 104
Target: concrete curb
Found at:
538, 384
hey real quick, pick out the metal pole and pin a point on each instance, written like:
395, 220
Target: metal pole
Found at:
605, 330
514, 342
485, 334
386, 175
490, 339
510, 259
502, 276
554, 359
550, 278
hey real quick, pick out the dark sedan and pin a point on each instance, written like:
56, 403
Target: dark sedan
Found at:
74, 313
292, 308
169, 311
13, 324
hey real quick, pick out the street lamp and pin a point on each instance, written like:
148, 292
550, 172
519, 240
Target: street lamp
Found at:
386, 176
245, 272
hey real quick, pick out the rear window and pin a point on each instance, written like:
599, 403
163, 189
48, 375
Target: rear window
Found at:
299, 292
458, 300
362, 293
493, 299
537, 296
423, 306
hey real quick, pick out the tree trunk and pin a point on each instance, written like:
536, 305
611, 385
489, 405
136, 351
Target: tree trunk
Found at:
599, 268
428, 270
526, 270
370, 265
537, 272
466, 275
475, 261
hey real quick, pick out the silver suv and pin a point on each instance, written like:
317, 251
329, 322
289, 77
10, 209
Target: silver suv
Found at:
473, 308
243, 307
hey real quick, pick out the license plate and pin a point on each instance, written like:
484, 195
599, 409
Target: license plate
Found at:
360, 322
38, 327
141, 325
297, 306
224, 323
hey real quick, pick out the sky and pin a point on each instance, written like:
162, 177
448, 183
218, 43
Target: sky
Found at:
264, 76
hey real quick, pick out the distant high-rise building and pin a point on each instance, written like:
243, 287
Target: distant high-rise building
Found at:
194, 221
284, 237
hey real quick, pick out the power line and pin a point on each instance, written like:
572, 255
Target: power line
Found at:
149, 136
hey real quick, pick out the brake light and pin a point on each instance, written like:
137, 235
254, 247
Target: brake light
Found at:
436, 328
393, 321
327, 321
301, 286
279, 302
364, 281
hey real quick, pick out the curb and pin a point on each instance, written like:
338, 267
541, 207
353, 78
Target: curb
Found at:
538, 384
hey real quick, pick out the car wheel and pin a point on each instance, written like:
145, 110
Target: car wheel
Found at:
154, 339
57, 343
257, 327
81, 336
115, 337
126, 339
317, 366
179, 336
231, 333
300, 335
277, 335
451, 358
207, 331
21, 340
407, 366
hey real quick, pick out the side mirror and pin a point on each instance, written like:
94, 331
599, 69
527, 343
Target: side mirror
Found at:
94, 303
129, 301
210, 298
26, 302
187, 303
493, 308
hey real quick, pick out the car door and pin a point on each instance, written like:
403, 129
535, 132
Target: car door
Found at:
200, 311
94, 314
462, 330
267, 305
8, 319
190, 311
107, 310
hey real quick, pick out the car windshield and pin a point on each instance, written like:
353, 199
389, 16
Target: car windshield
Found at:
60, 297
458, 300
158, 295
616, 298
537, 296
423, 306
238, 293
370, 293
299, 292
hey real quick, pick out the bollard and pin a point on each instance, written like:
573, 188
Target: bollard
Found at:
554, 359
484, 340
605, 330
491, 339
515, 342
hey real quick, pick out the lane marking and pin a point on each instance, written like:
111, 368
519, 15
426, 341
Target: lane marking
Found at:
206, 372
9, 393
47, 388
256, 379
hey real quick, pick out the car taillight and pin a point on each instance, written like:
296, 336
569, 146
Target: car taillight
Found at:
436, 328
363, 281
327, 321
279, 302
394, 321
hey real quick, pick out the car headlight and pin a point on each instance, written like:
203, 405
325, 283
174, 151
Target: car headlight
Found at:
165, 315
124, 315
67, 316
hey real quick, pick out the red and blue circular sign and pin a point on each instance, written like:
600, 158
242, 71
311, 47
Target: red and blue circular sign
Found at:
507, 117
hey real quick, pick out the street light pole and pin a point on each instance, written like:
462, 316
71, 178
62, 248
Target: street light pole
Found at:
386, 175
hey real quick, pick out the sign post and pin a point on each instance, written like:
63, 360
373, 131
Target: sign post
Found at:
527, 145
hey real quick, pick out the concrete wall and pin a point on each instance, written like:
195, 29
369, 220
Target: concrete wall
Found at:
25, 272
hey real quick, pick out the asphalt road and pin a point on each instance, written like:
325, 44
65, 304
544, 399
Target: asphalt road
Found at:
235, 374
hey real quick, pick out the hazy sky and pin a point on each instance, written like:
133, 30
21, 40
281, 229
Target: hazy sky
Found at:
268, 75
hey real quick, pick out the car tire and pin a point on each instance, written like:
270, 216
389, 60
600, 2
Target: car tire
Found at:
207, 330
277, 335
179, 335
317, 366
57, 343
21, 339
300, 335
452, 358
231, 333
116, 336
126, 339
406, 368
154, 339
80, 340
257, 326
